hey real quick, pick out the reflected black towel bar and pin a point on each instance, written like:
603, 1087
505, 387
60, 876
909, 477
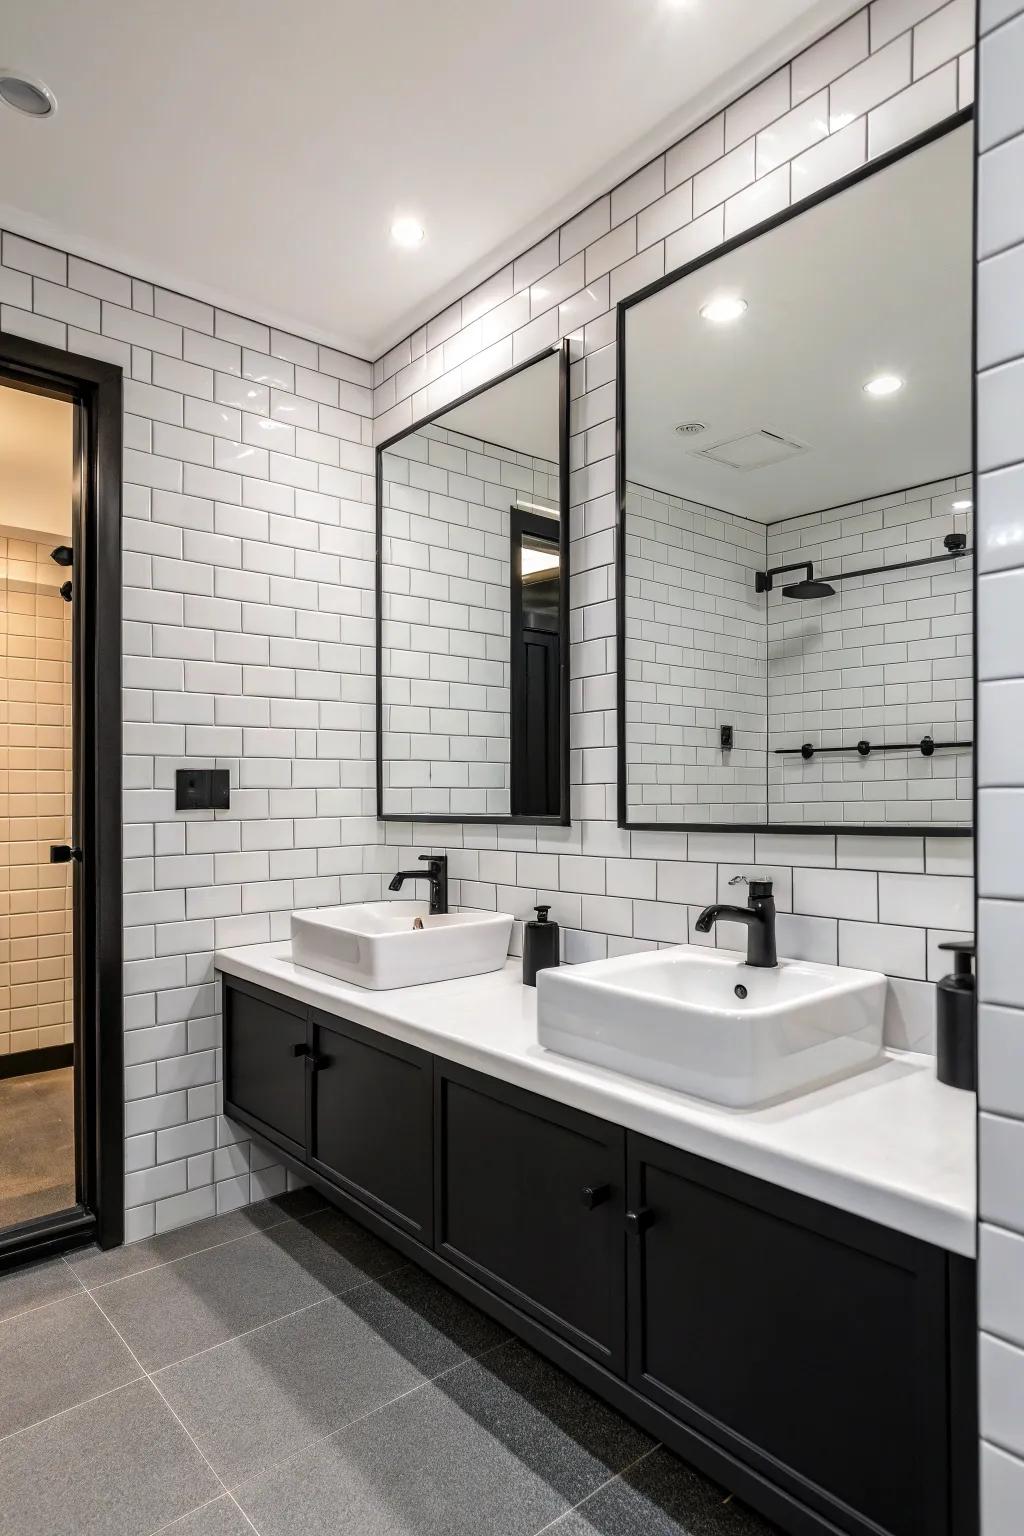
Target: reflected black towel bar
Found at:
926, 746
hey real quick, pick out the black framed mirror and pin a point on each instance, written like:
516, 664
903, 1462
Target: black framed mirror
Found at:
472, 560
795, 483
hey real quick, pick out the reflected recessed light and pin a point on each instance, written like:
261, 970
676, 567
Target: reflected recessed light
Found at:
407, 232
962, 506
26, 94
883, 384
690, 428
722, 311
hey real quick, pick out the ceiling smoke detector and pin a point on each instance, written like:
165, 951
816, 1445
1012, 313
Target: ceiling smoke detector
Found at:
690, 428
25, 94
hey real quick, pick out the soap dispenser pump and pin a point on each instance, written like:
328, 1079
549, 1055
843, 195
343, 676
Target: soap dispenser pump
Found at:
955, 1048
540, 945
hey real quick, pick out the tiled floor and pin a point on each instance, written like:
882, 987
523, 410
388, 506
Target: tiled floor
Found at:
280, 1370
37, 1144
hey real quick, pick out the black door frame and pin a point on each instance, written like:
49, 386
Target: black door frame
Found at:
548, 529
95, 389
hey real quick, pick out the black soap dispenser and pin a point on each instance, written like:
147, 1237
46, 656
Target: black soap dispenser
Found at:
955, 1049
540, 946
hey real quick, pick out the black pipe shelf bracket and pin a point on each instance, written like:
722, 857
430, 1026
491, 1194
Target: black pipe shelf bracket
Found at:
926, 746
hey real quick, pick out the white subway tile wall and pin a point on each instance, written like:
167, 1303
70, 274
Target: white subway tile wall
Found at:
696, 651
887, 659
446, 615
1000, 362
248, 546
250, 552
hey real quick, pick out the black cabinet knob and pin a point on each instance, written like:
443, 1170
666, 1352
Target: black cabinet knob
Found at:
301, 1049
594, 1194
639, 1220
314, 1062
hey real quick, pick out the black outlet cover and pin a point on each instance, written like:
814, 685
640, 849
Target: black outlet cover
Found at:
202, 789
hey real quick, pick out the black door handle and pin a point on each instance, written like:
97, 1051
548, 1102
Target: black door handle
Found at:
594, 1194
639, 1220
63, 853
302, 1049
314, 1062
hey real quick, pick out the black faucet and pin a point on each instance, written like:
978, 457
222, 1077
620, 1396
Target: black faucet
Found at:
758, 915
436, 872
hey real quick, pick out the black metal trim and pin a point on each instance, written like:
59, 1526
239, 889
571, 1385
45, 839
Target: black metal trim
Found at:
95, 389
46, 1236
536, 525
561, 351
44, 1058
833, 189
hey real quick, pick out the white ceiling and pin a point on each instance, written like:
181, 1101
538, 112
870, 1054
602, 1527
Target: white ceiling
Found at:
254, 153
520, 413
876, 280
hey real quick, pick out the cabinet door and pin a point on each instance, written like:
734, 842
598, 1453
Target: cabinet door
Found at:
265, 1063
807, 1340
370, 1120
529, 1200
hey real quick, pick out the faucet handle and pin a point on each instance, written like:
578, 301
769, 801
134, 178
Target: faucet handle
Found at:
759, 887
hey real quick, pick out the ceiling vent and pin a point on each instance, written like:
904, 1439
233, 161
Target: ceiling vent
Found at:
752, 450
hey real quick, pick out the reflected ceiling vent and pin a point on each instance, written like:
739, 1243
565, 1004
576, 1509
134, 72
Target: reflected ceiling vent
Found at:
752, 450
690, 428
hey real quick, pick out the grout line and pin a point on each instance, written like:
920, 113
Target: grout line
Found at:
616, 1477
180, 1259
184, 1428
340, 1429
62, 1412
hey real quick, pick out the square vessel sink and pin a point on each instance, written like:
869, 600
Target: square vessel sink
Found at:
706, 1023
385, 944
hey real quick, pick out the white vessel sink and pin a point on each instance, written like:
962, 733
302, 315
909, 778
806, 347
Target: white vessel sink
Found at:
378, 944
673, 1017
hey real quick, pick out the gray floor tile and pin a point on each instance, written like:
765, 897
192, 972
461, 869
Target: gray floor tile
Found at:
95, 1267
57, 1356
33, 1285
253, 1402
662, 1496
221, 1518
426, 1322
119, 1466
168, 1313
545, 1419
336, 1250
452, 1460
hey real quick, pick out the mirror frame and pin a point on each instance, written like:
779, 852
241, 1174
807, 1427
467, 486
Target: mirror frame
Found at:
834, 189
563, 819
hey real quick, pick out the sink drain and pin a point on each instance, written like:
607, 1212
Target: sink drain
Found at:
740, 990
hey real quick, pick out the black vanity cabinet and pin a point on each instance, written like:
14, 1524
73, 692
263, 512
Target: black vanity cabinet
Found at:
819, 1365
265, 1056
371, 1120
806, 1340
529, 1201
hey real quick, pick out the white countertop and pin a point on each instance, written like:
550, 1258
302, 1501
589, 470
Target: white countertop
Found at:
891, 1144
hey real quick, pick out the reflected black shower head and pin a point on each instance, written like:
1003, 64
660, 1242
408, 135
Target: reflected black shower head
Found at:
809, 588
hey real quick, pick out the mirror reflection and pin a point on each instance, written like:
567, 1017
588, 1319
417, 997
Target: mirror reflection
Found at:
474, 646
798, 521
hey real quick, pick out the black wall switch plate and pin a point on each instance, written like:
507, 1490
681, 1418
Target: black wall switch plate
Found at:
202, 789
726, 738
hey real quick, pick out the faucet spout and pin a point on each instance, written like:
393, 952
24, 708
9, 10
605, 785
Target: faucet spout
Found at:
436, 872
758, 917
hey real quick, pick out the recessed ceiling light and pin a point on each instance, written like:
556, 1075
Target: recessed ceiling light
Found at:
25, 94
690, 428
407, 232
962, 506
883, 384
723, 310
